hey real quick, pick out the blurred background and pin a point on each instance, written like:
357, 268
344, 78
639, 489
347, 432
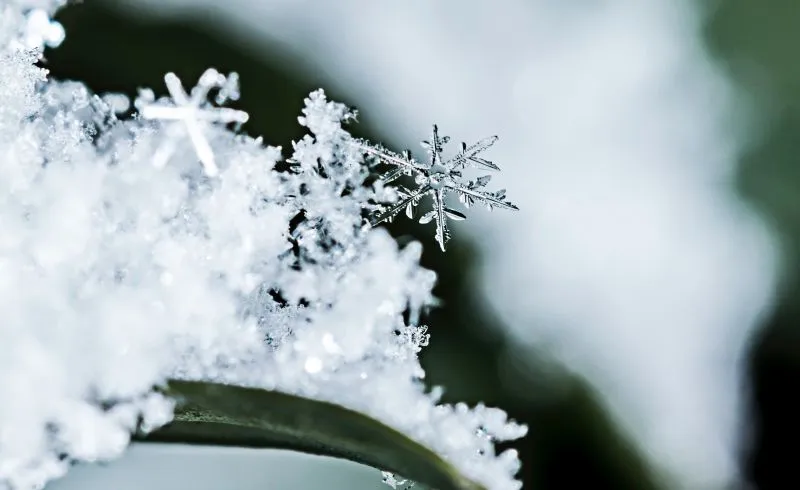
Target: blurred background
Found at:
639, 313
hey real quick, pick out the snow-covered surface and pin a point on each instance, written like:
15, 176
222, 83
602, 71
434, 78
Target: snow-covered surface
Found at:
631, 257
164, 244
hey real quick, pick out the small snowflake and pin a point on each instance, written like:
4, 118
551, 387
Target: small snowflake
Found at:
438, 178
191, 110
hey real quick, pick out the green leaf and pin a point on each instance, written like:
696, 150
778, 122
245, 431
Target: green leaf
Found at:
225, 415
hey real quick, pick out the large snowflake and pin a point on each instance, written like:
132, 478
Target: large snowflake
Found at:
436, 179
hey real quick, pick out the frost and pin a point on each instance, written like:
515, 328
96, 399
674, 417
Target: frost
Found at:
170, 245
396, 482
436, 179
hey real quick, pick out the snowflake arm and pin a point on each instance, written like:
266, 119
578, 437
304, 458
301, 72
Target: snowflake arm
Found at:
435, 146
408, 201
468, 155
442, 232
393, 175
405, 162
468, 197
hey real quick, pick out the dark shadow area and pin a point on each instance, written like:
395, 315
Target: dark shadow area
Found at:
771, 463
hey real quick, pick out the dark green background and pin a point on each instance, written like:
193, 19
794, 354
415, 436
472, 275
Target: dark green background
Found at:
572, 442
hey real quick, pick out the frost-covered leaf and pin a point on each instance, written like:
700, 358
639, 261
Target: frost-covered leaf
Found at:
223, 415
245, 269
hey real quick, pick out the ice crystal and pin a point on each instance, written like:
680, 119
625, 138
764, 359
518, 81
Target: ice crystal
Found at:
124, 263
436, 179
192, 111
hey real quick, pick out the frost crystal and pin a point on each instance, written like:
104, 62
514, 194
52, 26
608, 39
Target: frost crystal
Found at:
192, 111
117, 274
436, 179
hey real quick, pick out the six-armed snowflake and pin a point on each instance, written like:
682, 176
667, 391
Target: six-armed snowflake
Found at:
192, 110
437, 179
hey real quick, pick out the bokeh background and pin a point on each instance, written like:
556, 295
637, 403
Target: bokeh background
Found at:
639, 313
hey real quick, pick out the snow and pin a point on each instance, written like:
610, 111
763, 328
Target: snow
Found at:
124, 265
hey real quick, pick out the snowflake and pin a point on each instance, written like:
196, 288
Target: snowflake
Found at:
191, 110
438, 178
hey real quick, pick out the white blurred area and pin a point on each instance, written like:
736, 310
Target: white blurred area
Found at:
631, 259
179, 467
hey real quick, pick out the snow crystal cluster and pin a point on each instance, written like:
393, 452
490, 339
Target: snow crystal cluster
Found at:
166, 244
